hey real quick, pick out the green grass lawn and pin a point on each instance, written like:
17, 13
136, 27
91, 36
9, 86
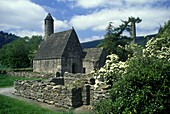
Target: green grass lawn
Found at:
13, 106
8, 81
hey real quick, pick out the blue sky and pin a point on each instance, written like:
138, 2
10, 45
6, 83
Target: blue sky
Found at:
89, 17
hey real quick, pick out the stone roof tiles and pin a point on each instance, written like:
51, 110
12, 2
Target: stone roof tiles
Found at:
93, 54
54, 46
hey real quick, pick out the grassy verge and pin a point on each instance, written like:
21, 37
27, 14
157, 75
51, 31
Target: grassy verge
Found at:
3, 67
13, 106
8, 81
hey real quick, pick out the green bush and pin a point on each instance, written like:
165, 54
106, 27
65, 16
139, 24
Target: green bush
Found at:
144, 89
144, 86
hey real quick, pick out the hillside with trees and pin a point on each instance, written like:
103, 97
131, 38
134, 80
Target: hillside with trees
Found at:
6, 38
20, 53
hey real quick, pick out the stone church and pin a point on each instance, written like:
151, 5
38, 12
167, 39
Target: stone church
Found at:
62, 52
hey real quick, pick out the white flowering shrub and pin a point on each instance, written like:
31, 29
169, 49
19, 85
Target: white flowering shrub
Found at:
111, 72
158, 48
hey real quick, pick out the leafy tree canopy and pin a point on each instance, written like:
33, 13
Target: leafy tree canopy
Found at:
20, 52
6, 38
164, 31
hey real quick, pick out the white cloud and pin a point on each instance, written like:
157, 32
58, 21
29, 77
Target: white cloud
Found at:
96, 20
21, 14
152, 12
65, 0
23, 17
143, 1
49, 9
151, 17
91, 39
98, 3
109, 3
60, 24
23, 33
91, 3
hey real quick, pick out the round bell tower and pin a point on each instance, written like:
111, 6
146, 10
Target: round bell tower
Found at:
49, 26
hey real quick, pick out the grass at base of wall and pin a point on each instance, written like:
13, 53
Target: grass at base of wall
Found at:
13, 106
8, 81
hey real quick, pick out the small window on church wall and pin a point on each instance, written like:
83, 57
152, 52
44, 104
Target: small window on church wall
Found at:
84, 70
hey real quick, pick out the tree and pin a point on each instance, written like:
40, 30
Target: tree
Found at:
20, 52
114, 38
6, 38
164, 31
15, 54
34, 44
133, 28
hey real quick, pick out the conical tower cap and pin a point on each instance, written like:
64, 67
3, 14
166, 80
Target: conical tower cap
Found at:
49, 17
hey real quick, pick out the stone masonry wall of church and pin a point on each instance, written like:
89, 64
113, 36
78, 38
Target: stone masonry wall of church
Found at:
48, 65
88, 66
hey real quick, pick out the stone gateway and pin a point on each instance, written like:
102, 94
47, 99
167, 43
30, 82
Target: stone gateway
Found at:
62, 52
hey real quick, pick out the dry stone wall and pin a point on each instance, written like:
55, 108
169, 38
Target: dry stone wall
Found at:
52, 93
79, 77
97, 95
59, 91
30, 74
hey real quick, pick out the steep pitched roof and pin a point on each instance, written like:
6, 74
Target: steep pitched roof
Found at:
93, 54
49, 17
54, 46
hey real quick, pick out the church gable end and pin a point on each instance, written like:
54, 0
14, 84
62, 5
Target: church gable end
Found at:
72, 59
94, 59
73, 46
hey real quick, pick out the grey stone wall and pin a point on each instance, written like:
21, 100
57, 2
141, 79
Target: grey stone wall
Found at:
79, 77
51, 93
88, 65
102, 59
59, 91
72, 56
100, 95
48, 65
71, 65
30, 74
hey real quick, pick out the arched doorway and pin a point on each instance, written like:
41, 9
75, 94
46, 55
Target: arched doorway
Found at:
73, 68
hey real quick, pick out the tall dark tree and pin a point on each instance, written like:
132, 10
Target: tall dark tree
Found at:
114, 37
133, 22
